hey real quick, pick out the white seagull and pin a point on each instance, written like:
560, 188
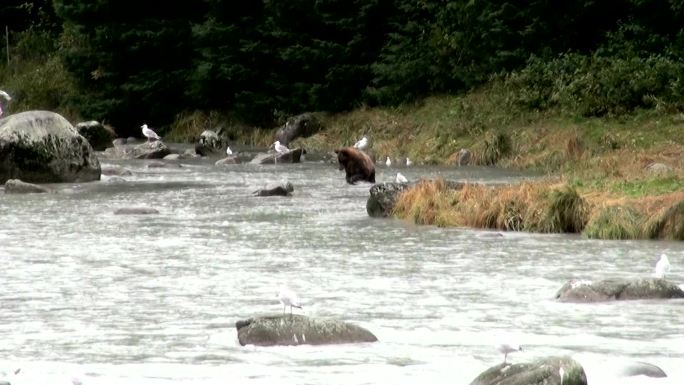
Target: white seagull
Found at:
408, 162
388, 162
362, 144
662, 267
280, 149
400, 178
288, 298
229, 151
508, 348
5, 95
149, 134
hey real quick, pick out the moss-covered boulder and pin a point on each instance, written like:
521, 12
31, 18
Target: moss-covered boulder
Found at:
618, 289
546, 371
294, 329
303, 125
383, 197
43, 147
99, 136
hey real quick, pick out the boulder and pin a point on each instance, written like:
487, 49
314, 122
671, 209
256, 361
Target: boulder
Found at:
209, 144
463, 157
294, 329
282, 190
99, 136
638, 368
292, 156
16, 186
545, 371
115, 170
383, 196
618, 289
43, 147
155, 149
231, 159
302, 125
136, 211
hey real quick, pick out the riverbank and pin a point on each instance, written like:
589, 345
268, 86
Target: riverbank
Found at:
626, 172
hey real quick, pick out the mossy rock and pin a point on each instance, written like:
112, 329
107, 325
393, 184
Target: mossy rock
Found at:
545, 371
618, 289
294, 329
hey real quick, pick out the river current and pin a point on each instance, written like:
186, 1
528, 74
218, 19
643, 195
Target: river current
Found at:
93, 297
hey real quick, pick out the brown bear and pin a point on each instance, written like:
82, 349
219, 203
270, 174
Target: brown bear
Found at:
357, 164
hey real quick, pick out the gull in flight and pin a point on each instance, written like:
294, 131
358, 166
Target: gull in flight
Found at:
362, 144
149, 134
508, 348
388, 162
662, 267
408, 162
229, 151
400, 178
288, 298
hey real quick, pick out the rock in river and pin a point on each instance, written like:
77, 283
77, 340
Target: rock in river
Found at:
43, 147
545, 371
618, 289
16, 186
295, 329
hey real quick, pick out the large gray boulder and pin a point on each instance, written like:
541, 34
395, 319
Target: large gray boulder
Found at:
302, 125
99, 136
618, 289
155, 149
294, 329
545, 371
292, 156
43, 147
383, 196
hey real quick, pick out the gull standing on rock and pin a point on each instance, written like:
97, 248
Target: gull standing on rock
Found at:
400, 178
288, 298
388, 162
229, 151
662, 267
280, 149
5, 96
408, 162
508, 348
149, 134
362, 144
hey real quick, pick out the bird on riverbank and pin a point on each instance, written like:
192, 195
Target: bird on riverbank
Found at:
288, 298
408, 162
508, 348
229, 151
362, 144
388, 162
7, 98
149, 134
400, 178
662, 266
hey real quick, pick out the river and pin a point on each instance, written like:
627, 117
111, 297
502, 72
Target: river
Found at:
153, 299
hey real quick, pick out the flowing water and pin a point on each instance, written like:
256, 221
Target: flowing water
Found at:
153, 299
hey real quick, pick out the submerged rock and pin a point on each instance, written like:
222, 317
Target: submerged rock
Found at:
230, 159
16, 186
155, 149
545, 371
282, 190
618, 289
136, 211
115, 170
292, 156
295, 329
43, 147
638, 368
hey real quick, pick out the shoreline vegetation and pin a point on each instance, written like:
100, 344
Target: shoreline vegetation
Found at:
600, 116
